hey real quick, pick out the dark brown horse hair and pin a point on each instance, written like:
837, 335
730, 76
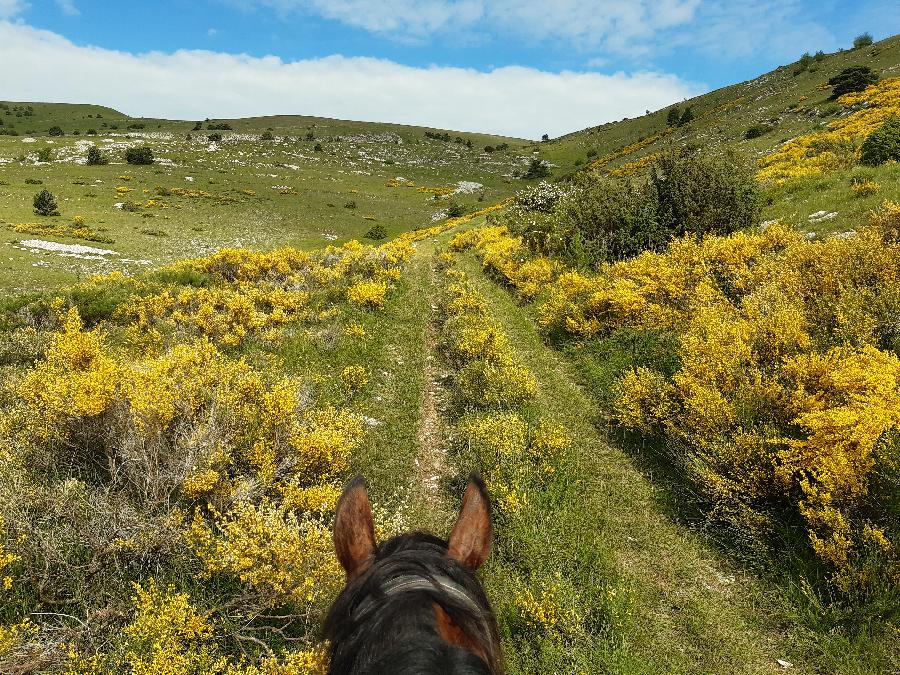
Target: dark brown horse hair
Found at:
415, 610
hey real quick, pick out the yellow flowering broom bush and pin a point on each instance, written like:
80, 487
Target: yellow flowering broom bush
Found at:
785, 395
147, 437
839, 145
787, 391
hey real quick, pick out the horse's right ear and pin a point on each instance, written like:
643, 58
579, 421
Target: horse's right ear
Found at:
354, 529
470, 540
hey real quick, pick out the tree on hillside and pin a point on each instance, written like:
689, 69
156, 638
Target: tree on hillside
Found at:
45, 204
536, 169
55, 131
863, 40
545, 138
854, 78
673, 117
687, 116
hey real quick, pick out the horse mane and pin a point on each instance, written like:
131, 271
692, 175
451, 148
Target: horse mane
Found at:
373, 630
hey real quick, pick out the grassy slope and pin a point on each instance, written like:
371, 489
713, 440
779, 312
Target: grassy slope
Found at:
354, 169
794, 104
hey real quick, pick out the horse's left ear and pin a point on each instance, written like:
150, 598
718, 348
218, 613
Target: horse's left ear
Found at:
470, 541
354, 529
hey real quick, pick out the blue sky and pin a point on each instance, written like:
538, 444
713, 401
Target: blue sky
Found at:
519, 67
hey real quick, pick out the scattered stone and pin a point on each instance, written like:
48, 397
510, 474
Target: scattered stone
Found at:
819, 216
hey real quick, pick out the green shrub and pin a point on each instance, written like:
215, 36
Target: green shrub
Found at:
350, 205
318, 148
863, 40
214, 138
703, 195
45, 155
455, 210
883, 144
854, 78
55, 131
267, 136
95, 157
803, 64
376, 232
140, 155
45, 204
757, 130
602, 220
673, 116
536, 169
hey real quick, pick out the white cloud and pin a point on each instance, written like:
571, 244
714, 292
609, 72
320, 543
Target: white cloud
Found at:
68, 7
11, 8
516, 101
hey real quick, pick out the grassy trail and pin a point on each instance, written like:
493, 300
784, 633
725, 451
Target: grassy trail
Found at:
692, 611
403, 457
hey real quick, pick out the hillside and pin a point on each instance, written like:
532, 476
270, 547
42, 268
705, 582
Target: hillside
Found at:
315, 181
783, 104
688, 425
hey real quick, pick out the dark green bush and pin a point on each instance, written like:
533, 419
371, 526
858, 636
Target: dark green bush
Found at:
757, 130
455, 210
854, 78
95, 157
883, 144
267, 136
215, 138
673, 116
55, 131
863, 40
318, 148
45, 204
376, 232
45, 155
536, 169
703, 195
604, 220
141, 155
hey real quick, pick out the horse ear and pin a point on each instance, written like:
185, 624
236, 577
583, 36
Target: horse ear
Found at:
470, 541
354, 530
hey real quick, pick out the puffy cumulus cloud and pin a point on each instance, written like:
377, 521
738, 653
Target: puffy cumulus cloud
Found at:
515, 101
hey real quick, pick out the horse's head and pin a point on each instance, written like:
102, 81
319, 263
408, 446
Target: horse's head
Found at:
412, 604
